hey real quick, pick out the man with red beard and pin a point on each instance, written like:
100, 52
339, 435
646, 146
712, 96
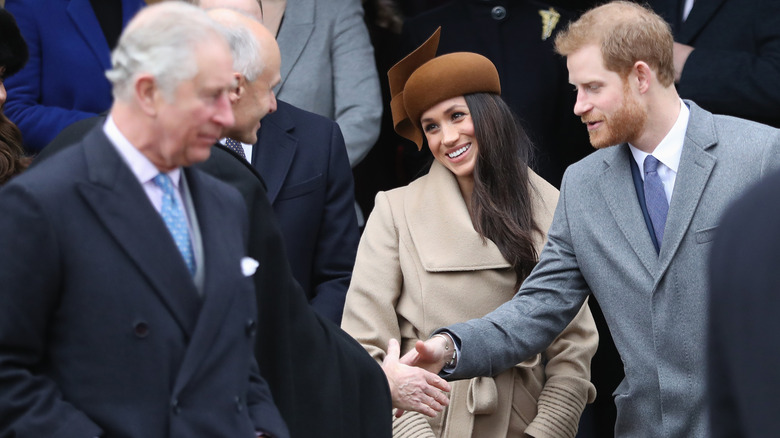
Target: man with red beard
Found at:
633, 226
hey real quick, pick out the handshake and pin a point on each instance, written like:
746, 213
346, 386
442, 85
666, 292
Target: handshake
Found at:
414, 381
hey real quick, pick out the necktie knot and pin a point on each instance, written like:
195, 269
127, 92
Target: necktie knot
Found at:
651, 164
235, 147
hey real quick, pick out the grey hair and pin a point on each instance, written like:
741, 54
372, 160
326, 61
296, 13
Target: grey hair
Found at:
245, 47
161, 40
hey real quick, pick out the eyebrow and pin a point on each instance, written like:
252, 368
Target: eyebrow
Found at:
449, 110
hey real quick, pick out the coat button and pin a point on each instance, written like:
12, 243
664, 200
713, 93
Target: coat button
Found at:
141, 329
175, 408
251, 328
498, 13
239, 404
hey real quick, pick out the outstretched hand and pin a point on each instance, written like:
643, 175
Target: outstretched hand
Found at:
413, 388
430, 355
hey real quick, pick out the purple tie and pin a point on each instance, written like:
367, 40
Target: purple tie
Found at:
655, 198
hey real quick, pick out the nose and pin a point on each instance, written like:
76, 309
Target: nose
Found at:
272, 106
449, 135
581, 106
224, 114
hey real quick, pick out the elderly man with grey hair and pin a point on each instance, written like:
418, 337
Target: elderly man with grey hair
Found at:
128, 304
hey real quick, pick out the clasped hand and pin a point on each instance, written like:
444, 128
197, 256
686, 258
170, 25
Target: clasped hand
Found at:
413, 378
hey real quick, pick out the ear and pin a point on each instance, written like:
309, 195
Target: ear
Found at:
147, 94
644, 76
238, 91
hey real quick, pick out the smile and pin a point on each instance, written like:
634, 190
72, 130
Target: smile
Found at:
459, 152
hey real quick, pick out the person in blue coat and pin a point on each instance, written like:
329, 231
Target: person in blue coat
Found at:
70, 43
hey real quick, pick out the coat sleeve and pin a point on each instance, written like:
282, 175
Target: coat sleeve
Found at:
369, 312
356, 95
31, 403
567, 387
546, 303
338, 236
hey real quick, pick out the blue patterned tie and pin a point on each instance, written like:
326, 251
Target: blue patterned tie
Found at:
655, 198
235, 147
173, 215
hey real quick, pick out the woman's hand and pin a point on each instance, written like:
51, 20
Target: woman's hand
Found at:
413, 388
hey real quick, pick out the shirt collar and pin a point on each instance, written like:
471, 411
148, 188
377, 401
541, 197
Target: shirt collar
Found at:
670, 148
142, 168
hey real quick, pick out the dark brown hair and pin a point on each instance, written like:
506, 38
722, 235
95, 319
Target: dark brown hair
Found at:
502, 200
12, 159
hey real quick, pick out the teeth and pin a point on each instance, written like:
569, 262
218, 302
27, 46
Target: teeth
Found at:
458, 152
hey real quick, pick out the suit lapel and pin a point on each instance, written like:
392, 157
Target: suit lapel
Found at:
275, 150
441, 228
296, 30
696, 165
218, 295
617, 188
86, 22
121, 204
699, 16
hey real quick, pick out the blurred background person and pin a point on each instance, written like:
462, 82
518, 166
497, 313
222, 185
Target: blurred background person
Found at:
457, 243
13, 55
70, 42
328, 67
727, 55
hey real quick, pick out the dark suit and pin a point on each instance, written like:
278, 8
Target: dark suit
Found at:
64, 81
736, 62
102, 330
322, 380
534, 80
302, 159
744, 385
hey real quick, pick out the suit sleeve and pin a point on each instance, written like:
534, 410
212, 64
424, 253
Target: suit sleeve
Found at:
338, 237
568, 387
31, 403
357, 98
39, 123
546, 303
739, 82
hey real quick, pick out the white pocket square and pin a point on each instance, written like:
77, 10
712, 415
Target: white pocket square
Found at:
249, 266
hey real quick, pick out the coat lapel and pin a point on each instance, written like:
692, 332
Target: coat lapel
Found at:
84, 18
699, 16
441, 228
696, 165
121, 204
297, 28
275, 150
218, 295
617, 188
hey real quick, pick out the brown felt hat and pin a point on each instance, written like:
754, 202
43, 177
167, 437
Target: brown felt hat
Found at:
421, 80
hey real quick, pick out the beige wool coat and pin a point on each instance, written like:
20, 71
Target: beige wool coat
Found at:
421, 266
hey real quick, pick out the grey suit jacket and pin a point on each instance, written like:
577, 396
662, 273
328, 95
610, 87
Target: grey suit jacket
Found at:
328, 68
655, 305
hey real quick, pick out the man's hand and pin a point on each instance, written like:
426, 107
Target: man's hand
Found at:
681, 53
413, 388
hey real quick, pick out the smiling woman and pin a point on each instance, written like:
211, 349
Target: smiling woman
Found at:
454, 245
13, 55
